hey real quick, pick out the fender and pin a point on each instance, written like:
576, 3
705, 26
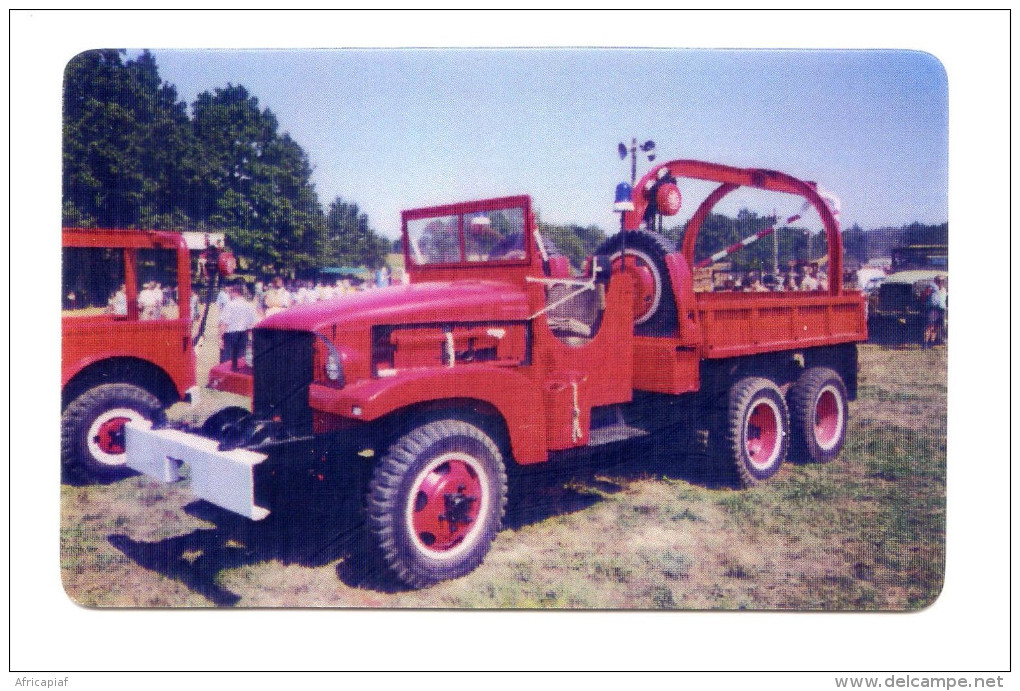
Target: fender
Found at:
516, 397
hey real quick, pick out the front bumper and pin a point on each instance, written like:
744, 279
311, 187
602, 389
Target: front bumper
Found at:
223, 378
223, 478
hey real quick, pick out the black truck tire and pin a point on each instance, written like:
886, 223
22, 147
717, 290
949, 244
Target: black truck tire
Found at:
436, 501
219, 425
818, 410
92, 428
654, 302
757, 430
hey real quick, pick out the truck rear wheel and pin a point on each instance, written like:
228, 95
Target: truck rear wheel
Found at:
92, 427
758, 428
436, 501
818, 408
654, 303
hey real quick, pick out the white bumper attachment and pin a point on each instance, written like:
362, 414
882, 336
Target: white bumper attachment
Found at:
223, 478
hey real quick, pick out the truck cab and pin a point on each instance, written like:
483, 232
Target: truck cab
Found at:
492, 320
126, 339
898, 308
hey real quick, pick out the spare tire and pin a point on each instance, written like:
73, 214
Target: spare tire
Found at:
654, 302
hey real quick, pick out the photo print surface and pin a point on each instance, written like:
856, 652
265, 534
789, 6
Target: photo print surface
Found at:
504, 329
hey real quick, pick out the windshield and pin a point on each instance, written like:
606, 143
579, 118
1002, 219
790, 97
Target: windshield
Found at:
904, 258
466, 235
95, 282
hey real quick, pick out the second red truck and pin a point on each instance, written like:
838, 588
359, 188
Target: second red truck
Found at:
496, 354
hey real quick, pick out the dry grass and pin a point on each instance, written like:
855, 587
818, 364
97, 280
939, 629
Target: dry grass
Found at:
611, 531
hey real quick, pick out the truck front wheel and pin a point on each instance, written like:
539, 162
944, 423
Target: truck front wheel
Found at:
92, 427
757, 430
436, 501
818, 408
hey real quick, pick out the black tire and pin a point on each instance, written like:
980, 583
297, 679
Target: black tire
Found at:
757, 429
435, 470
92, 428
818, 411
654, 302
220, 424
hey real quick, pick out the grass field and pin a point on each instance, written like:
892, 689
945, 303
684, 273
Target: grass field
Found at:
865, 532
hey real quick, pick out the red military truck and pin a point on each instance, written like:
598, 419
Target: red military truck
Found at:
121, 360
496, 355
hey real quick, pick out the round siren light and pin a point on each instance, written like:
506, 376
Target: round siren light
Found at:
667, 199
227, 263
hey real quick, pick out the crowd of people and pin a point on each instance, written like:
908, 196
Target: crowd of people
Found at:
279, 294
240, 308
154, 300
807, 278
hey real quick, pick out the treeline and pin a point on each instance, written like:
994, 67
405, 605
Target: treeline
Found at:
575, 242
135, 156
788, 244
799, 244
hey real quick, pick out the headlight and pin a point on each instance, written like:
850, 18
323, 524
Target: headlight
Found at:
333, 368
333, 364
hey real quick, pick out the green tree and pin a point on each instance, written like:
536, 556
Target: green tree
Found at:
575, 242
103, 177
923, 234
166, 147
347, 238
719, 231
135, 157
128, 145
255, 183
855, 244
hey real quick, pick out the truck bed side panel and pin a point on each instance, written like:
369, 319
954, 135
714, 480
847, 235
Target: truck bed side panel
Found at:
735, 324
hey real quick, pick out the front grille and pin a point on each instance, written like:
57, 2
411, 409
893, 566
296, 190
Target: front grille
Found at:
895, 297
283, 371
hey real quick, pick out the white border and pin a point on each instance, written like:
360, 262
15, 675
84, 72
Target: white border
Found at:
965, 629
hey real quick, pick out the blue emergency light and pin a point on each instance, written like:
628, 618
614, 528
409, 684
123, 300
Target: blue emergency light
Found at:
624, 192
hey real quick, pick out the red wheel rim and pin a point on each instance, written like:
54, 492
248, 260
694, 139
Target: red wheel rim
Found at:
446, 501
110, 438
644, 283
761, 434
828, 418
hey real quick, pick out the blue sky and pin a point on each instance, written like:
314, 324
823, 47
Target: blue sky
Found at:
392, 129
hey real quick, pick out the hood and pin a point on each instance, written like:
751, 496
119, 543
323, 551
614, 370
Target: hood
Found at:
914, 275
430, 302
